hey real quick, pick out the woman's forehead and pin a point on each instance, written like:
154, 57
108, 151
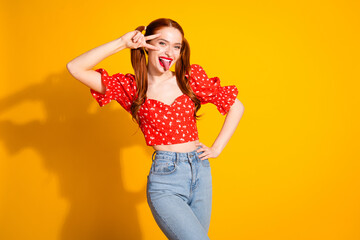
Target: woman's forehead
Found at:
170, 34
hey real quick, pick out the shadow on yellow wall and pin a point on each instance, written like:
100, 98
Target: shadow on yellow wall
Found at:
83, 152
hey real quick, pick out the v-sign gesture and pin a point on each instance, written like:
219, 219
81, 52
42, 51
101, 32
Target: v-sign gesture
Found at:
136, 39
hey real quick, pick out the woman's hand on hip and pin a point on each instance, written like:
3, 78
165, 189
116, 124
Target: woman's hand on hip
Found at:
207, 152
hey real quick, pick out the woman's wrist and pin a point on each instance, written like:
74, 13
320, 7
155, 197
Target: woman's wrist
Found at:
119, 44
217, 149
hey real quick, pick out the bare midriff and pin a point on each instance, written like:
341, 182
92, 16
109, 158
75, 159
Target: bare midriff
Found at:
180, 147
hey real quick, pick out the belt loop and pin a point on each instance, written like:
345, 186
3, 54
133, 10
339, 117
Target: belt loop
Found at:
152, 157
177, 158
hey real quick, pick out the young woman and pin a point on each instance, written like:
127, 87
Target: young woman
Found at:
165, 105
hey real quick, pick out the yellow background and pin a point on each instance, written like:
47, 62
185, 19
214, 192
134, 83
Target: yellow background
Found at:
72, 170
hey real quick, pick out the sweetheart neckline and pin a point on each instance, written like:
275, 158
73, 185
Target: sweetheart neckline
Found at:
166, 103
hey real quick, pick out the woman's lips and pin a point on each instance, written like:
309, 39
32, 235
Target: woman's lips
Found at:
165, 62
166, 58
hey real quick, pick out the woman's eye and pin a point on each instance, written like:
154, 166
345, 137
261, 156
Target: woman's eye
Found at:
161, 43
177, 47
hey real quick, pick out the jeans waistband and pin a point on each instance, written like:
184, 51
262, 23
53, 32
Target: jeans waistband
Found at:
180, 156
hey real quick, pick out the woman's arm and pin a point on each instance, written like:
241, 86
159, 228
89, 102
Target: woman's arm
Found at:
81, 66
231, 122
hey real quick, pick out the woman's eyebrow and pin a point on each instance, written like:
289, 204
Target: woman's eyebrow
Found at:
168, 41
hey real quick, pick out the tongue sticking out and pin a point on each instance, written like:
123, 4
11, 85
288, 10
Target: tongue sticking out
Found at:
165, 63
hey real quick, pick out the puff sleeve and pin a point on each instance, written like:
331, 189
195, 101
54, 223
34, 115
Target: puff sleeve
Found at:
209, 90
119, 87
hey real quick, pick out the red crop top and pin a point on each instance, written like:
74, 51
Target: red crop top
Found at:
164, 124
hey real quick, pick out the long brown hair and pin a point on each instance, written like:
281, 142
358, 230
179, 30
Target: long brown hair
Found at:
182, 67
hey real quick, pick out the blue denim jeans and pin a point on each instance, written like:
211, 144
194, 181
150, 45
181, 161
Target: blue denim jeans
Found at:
179, 194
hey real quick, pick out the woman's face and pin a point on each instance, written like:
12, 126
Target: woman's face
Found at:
169, 43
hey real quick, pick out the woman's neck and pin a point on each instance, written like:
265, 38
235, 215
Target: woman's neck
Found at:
160, 77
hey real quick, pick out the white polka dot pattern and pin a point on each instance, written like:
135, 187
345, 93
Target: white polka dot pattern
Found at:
209, 90
119, 87
164, 124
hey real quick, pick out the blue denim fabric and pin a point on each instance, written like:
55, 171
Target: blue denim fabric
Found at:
179, 194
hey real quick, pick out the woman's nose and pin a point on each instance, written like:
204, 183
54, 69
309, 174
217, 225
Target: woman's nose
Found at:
168, 51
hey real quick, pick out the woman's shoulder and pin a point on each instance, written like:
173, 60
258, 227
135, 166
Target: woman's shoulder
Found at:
196, 68
196, 71
197, 75
119, 81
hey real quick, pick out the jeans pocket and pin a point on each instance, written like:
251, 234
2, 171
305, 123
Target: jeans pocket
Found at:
205, 163
163, 166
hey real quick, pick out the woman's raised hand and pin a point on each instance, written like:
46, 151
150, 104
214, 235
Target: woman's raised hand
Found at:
135, 39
